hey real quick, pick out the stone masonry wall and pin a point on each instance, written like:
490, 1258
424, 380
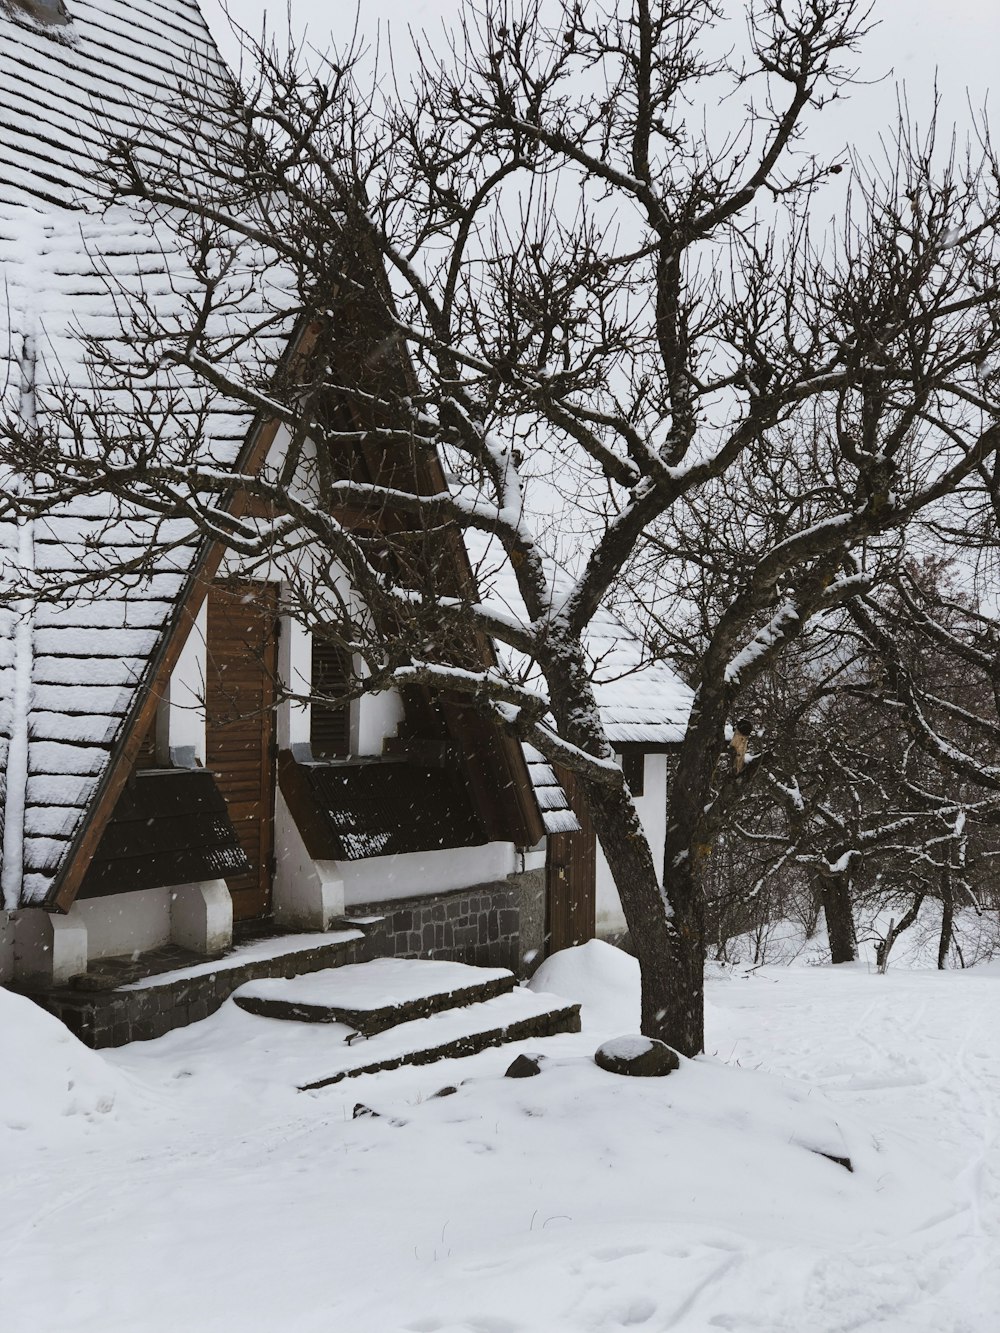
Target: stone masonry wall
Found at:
483, 925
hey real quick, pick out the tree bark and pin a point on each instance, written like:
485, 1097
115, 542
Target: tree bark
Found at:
836, 893
668, 943
947, 919
670, 949
884, 947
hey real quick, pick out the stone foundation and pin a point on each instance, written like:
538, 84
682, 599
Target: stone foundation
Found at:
499, 924
481, 925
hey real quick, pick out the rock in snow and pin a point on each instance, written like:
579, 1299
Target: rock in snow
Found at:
525, 1066
640, 1057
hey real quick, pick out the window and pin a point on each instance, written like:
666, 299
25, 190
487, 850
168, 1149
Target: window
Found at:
330, 726
634, 768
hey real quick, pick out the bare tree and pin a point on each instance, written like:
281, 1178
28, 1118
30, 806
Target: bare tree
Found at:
546, 263
877, 813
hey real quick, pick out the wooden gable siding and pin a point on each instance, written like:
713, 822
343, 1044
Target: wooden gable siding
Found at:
491, 758
240, 693
571, 876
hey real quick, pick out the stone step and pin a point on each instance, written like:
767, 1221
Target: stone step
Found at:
139, 1010
374, 996
516, 1016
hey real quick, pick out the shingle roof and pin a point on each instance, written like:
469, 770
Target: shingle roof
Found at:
557, 815
63, 86
641, 701
62, 258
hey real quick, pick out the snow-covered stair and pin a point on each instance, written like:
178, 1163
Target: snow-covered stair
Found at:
397, 1011
371, 997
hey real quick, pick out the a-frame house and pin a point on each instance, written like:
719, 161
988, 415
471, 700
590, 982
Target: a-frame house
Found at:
162, 799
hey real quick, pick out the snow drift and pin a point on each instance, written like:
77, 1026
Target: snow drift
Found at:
47, 1074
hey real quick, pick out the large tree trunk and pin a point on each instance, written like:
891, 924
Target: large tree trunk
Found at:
669, 944
836, 892
670, 949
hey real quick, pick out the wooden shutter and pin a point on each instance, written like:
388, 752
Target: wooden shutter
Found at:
330, 727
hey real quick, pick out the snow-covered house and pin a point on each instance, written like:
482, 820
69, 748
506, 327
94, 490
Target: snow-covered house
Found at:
161, 798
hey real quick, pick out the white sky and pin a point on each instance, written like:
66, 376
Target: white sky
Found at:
956, 40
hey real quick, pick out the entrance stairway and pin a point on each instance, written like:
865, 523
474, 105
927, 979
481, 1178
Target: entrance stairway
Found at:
395, 1011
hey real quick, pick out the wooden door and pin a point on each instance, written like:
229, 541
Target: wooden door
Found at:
571, 876
240, 694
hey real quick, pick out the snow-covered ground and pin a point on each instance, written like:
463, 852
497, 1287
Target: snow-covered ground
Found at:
184, 1184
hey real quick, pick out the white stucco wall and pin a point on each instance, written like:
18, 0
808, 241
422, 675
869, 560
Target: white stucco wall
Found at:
125, 923
652, 810
295, 670
185, 698
414, 874
378, 716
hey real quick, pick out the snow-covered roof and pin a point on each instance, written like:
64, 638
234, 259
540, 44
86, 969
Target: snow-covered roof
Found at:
642, 701
63, 86
557, 814
70, 678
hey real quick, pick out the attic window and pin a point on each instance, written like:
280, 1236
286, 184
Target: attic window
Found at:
45, 11
330, 725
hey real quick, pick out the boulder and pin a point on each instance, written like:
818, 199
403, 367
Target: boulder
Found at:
640, 1057
525, 1066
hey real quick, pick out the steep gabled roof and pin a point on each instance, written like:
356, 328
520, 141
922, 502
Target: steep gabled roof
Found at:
63, 86
62, 259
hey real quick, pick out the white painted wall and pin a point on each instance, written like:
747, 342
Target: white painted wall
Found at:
295, 670
52, 947
652, 810
125, 923
416, 874
377, 716
185, 698
307, 894
49, 949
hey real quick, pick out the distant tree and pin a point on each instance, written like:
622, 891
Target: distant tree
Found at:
855, 797
564, 278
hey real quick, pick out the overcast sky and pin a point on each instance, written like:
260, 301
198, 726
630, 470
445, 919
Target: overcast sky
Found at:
956, 40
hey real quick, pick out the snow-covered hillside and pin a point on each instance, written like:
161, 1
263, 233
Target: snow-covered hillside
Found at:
212, 1196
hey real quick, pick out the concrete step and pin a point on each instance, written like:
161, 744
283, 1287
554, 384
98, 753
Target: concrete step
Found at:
452, 1033
374, 996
